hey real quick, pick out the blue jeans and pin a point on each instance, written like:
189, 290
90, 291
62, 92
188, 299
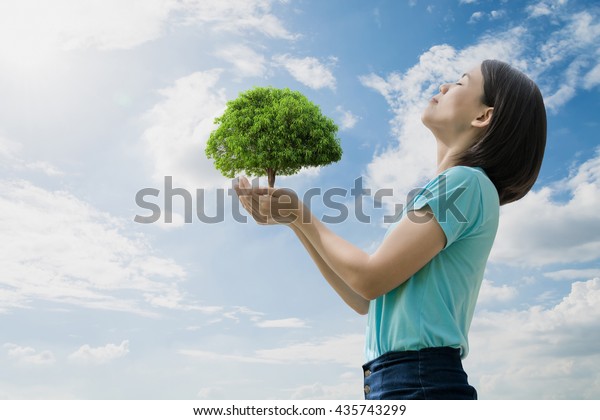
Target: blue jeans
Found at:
434, 373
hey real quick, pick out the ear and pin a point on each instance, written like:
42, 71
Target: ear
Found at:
484, 118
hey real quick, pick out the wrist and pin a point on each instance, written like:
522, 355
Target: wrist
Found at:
302, 217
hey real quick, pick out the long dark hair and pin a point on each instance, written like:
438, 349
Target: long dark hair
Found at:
512, 148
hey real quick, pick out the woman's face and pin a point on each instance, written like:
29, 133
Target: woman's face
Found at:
452, 111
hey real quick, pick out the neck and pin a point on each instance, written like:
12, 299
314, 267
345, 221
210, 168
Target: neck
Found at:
448, 150
445, 157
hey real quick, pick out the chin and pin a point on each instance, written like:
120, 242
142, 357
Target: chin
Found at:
424, 118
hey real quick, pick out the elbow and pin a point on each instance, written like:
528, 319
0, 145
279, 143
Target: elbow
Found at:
365, 282
370, 288
361, 311
362, 308
369, 294
366, 288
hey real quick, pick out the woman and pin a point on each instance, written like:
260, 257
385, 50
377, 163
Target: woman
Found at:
420, 287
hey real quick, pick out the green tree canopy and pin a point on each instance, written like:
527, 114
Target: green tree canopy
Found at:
269, 131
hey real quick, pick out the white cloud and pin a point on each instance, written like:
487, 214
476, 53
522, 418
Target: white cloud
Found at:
476, 17
573, 274
28, 355
100, 355
346, 350
347, 119
489, 293
35, 34
29, 27
246, 61
497, 14
211, 393
10, 153
308, 70
220, 356
116, 24
560, 232
579, 33
539, 353
592, 78
568, 87
282, 323
575, 42
8, 150
179, 127
237, 312
44, 167
545, 8
493, 15
345, 390
60, 249
236, 16
579, 39
241, 313
539, 9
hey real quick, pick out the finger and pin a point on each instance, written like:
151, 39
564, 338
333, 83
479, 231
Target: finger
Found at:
241, 186
238, 188
254, 208
247, 202
262, 190
244, 181
264, 205
251, 200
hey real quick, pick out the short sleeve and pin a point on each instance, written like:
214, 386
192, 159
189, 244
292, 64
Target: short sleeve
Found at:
454, 197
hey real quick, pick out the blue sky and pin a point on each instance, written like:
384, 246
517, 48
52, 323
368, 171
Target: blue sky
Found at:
103, 98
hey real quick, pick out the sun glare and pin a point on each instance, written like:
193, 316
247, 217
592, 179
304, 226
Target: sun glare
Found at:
29, 44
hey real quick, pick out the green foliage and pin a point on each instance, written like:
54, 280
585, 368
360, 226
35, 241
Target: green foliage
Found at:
272, 130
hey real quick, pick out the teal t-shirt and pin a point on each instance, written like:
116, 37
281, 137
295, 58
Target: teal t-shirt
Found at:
434, 308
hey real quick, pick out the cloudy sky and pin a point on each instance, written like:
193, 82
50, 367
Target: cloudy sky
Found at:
101, 99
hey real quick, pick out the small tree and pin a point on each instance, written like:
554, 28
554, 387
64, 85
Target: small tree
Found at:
269, 131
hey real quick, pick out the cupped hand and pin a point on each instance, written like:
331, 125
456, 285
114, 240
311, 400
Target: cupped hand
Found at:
268, 206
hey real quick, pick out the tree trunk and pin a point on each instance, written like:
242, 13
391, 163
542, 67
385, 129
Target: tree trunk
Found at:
271, 176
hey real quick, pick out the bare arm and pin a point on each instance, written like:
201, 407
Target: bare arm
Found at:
411, 245
353, 299
250, 202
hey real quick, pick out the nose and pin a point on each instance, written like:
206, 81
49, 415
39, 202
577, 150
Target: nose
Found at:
444, 88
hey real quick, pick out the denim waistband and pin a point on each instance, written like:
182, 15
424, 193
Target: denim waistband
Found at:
429, 373
412, 355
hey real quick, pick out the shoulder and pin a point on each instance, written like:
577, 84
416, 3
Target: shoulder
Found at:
459, 186
463, 173
475, 177
455, 178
